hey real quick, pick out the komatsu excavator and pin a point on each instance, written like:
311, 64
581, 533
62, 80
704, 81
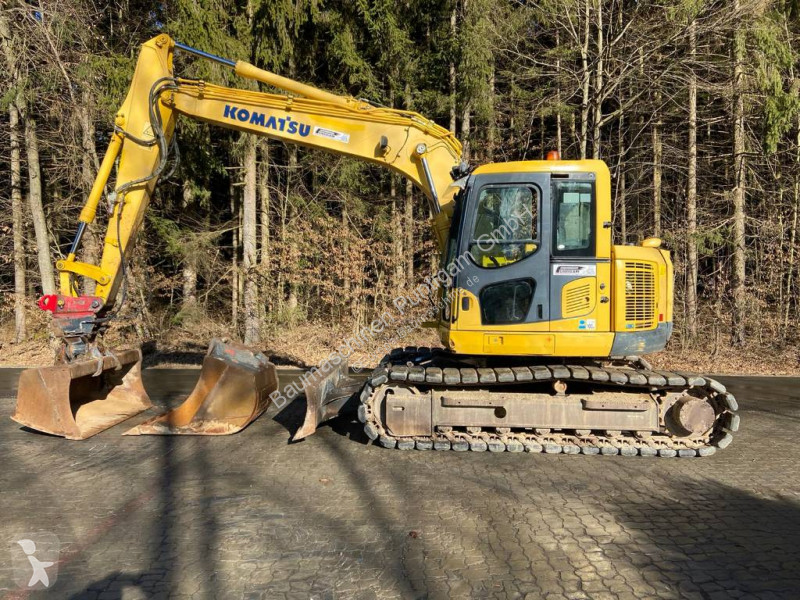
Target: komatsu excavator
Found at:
542, 319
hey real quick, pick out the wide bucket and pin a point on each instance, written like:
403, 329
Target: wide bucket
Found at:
233, 390
77, 400
327, 396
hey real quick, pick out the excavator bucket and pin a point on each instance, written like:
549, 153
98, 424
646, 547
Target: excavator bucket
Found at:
327, 397
78, 400
233, 390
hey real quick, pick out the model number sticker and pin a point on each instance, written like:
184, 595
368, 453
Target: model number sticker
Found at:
331, 134
575, 270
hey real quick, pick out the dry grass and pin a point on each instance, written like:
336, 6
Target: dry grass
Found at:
309, 344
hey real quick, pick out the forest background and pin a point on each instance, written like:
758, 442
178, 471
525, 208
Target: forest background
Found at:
694, 105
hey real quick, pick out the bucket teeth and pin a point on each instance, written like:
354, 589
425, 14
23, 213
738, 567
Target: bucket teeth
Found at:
233, 390
80, 399
327, 396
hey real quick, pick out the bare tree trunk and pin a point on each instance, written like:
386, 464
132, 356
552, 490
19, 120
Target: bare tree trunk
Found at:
465, 129
657, 158
347, 283
598, 83
189, 262
264, 196
793, 232
398, 262
452, 71
622, 200
290, 175
18, 225
558, 92
491, 132
408, 220
252, 330
585, 80
37, 210
189, 284
235, 260
739, 293
792, 241
18, 222
409, 224
89, 167
691, 191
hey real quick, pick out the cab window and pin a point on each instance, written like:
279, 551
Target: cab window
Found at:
574, 218
506, 225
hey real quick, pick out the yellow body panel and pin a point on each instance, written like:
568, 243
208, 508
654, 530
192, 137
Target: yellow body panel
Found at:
500, 343
653, 261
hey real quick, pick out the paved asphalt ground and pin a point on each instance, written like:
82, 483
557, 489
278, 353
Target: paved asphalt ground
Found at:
250, 516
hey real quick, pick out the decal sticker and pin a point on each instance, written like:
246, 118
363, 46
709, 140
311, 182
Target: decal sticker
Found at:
331, 134
587, 324
286, 124
575, 270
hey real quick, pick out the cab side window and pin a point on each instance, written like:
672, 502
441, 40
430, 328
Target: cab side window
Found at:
574, 218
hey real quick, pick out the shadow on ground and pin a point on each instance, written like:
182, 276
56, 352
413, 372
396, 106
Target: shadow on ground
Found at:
334, 517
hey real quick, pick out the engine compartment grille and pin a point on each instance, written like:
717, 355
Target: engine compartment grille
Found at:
640, 295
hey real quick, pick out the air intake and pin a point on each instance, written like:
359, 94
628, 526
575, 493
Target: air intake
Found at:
578, 300
640, 295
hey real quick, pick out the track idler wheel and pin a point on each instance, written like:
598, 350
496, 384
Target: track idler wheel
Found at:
690, 416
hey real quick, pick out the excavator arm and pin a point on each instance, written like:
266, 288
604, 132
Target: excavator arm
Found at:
92, 389
401, 141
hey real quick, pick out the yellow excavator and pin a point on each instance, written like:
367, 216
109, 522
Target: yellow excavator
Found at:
542, 319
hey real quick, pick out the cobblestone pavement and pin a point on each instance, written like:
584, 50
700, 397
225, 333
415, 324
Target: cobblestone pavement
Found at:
249, 516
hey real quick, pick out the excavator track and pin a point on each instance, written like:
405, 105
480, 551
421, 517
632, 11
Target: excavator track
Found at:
402, 369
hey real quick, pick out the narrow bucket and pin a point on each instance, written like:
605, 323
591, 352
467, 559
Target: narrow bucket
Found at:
327, 397
78, 400
233, 390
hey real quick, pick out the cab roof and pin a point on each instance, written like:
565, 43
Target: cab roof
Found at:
543, 166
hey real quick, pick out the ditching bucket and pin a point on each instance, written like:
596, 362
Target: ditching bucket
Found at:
233, 390
327, 397
77, 400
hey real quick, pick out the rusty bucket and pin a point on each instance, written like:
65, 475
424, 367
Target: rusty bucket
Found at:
327, 396
233, 390
77, 400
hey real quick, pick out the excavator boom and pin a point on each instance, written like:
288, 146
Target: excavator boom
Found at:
78, 397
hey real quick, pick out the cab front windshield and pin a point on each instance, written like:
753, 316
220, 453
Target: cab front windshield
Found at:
505, 225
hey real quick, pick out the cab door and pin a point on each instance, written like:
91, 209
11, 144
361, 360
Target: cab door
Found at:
503, 257
580, 276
